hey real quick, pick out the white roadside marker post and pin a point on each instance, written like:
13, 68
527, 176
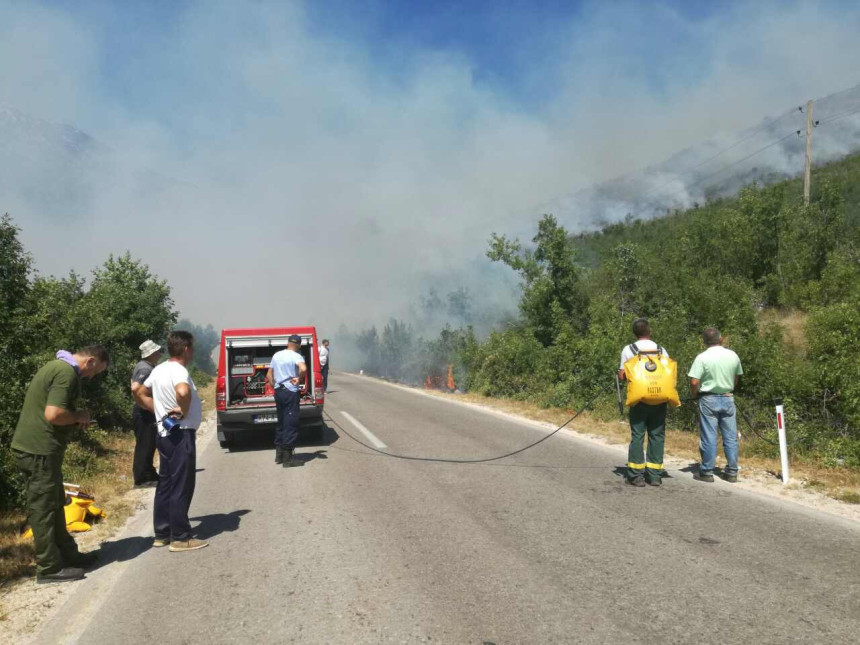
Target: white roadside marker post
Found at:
783, 444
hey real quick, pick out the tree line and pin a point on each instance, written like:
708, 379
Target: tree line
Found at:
121, 305
742, 264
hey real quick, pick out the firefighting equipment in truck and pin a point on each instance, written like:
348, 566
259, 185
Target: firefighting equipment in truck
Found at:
651, 378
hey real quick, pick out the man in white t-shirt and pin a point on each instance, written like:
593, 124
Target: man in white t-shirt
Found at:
644, 418
324, 362
169, 391
286, 376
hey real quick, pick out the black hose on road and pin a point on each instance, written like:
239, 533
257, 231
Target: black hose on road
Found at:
743, 415
468, 461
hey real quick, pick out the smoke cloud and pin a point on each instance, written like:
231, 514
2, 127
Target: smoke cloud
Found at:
275, 169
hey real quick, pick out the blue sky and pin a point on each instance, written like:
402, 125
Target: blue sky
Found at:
514, 48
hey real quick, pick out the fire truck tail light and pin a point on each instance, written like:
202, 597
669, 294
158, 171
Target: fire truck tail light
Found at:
220, 394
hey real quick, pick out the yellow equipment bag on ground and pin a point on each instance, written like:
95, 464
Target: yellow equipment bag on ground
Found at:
79, 509
651, 378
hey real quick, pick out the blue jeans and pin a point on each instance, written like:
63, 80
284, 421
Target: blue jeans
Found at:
718, 412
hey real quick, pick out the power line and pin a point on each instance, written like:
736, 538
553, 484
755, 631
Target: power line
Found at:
749, 136
846, 90
736, 144
746, 138
836, 117
752, 154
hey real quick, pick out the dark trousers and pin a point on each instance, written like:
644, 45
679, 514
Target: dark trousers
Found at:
176, 477
145, 431
650, 419
287, 430
45, 499
325, 376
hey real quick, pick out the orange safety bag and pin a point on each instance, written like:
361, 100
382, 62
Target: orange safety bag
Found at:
652, 378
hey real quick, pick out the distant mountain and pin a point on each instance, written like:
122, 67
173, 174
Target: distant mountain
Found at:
50, 166
699, 173
56, 171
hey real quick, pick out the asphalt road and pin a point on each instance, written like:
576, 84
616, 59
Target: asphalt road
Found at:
549, 546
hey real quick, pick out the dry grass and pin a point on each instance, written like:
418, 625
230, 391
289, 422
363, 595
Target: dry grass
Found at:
108, 482
207, 395
793, 325
842, 484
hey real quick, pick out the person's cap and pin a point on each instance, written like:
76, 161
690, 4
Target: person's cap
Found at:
148, 348
295, 338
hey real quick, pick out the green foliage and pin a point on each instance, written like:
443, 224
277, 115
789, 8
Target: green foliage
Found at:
718, 264
506, 364
553, 293
721, 263
206, 339
123, 305
367, 345
395, 350
834, 334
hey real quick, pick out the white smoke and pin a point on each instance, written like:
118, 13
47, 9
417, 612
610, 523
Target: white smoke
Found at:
271, 171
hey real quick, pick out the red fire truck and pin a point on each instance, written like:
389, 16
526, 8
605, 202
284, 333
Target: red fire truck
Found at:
243, 398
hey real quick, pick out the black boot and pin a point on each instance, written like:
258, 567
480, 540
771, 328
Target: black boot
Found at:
63, 575
279, 455
290, 460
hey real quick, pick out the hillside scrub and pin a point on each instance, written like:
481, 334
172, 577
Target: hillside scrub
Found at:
725, 263
121, 305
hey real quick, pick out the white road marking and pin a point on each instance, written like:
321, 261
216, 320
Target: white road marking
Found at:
367, 433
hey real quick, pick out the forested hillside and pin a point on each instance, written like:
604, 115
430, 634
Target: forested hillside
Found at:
743, 264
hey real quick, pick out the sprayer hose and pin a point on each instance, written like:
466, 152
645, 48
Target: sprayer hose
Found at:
467, 461
519, 450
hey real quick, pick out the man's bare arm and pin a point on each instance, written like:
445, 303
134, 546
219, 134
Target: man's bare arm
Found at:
694, 387
183, 398
300, 378
270, 378
58, 416
143, 396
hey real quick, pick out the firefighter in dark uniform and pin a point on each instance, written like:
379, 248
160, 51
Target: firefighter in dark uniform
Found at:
286, 375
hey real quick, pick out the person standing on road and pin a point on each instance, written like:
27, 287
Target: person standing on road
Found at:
39, 444
324, 362
714, 376
644, 418
170, 392
145, 427
286, 375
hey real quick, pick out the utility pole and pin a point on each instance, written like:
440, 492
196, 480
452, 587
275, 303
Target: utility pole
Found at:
807, 177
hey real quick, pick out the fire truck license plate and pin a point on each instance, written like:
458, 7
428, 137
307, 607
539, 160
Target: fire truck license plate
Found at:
265, 418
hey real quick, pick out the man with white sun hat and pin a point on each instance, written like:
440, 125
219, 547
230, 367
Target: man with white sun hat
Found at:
145, 427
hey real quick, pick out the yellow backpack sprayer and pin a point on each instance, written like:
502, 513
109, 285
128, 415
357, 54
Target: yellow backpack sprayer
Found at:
651, 378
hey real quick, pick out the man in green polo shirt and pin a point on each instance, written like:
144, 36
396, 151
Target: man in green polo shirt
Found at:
47, 417
714, 376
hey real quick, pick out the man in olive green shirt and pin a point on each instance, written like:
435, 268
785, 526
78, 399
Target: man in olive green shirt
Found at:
39, 444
